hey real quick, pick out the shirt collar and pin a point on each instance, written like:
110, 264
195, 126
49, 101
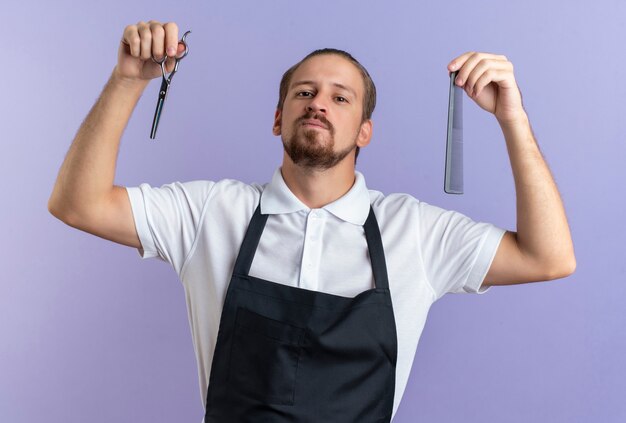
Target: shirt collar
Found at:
353, 206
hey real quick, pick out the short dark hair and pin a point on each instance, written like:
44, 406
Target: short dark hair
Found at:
369, 94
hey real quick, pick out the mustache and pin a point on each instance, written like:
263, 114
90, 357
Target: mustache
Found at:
319, 117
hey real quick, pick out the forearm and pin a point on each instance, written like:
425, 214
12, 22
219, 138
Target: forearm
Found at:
87, 173
543, 233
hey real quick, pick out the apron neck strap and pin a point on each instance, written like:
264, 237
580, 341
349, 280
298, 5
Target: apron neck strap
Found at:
377, 253
250, 242
372, 235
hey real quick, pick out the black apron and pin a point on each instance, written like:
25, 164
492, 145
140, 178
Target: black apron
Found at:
287, 354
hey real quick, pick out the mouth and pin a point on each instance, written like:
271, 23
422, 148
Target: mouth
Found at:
311, 123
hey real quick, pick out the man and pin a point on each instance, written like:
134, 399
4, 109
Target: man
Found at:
307, 295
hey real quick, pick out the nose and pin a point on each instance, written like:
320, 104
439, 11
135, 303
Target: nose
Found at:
315, 106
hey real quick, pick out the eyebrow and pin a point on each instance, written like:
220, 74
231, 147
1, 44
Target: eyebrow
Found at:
336, 84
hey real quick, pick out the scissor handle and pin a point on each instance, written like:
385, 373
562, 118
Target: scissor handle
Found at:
183, 42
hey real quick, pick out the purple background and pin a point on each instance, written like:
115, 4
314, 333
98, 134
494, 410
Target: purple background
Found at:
90, 332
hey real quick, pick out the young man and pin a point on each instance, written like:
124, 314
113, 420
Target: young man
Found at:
307, 295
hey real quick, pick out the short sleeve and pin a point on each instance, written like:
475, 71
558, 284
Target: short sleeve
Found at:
168, 218
456, 251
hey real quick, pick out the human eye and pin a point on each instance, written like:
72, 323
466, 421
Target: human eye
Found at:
303, 94
341, 99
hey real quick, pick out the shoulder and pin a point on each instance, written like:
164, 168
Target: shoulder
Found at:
234, 196
230, 186
203, 190
402, 204
406, 214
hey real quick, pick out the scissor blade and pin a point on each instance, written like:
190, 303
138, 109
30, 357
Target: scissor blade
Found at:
157, 117
165, 86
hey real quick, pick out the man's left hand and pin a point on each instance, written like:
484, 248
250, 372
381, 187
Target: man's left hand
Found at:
488, 80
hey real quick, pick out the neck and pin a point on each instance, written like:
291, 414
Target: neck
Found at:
317, 188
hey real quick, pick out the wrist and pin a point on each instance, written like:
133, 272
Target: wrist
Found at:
126, 83
517, 121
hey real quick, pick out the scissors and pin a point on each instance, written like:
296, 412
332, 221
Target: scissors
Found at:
165, 84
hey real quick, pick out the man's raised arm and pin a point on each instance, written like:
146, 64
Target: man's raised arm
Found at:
84, 195
542, 248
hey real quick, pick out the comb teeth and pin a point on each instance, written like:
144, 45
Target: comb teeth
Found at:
454, 146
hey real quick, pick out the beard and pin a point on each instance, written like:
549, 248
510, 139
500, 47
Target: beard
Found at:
307, 148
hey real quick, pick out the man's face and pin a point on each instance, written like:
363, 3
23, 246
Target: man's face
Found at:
320, 123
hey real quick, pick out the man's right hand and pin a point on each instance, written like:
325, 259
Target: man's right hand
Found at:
141, 41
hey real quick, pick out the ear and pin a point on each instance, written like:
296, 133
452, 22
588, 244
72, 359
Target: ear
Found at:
365, 133
277, 122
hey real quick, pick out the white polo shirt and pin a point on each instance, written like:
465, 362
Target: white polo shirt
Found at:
198, 227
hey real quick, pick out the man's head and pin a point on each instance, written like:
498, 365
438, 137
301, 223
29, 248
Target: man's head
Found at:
331, 89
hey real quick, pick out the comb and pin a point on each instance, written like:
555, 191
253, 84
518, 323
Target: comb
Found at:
453, 182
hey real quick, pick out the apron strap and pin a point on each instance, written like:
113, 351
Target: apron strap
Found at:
372, 235
250, 242
377, 253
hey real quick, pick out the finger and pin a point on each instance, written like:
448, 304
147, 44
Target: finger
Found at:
492, 75
131, 38
483, 66
457, 62
146, 40
467, 63
158, 39
171, 38
467, 68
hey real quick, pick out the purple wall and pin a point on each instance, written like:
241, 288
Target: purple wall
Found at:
90, 332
